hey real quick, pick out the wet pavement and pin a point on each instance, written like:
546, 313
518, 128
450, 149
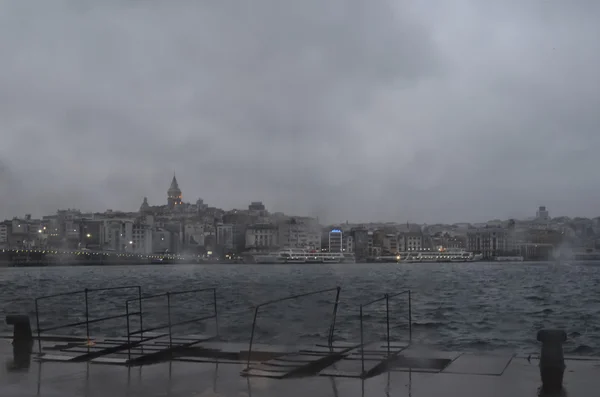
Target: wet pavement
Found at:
471, 375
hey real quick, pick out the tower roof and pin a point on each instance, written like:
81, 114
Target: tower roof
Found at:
174, 184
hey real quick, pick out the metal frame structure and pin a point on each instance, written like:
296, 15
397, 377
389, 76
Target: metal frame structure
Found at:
387, 298
87, 321
169, 325
331, 327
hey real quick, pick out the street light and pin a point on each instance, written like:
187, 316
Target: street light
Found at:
88, 235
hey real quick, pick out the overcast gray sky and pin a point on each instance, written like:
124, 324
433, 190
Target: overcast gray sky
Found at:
429, 111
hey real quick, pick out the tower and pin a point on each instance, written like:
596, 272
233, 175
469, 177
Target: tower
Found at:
145, 207
174, 194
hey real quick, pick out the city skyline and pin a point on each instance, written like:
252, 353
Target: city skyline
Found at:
461, 112
174, 195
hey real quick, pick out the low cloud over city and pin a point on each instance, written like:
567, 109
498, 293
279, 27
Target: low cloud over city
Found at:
347, 110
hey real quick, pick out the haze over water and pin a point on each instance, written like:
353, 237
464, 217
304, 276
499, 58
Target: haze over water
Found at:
466, 306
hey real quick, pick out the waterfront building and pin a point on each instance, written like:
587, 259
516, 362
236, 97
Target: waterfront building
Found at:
225, 236
4, 229
261, 237
335, 240
490, 242
361, 242
299, 232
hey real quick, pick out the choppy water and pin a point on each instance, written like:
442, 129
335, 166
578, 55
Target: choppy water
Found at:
466, 306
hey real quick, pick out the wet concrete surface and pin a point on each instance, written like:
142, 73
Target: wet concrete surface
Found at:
518, 377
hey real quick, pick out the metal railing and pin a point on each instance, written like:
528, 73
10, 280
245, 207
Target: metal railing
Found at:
385, 298
170, 324
87, 321
331, 327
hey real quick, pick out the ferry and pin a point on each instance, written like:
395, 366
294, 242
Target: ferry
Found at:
293, 255
437, 256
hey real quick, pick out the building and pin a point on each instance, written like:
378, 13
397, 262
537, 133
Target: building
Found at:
336, 240
142, 238
174, 194
542, 214
225, 236
262, 237
361, 243
490, 242
4, 230
300, 232
161, 241
348, 243
390, 244
117, 235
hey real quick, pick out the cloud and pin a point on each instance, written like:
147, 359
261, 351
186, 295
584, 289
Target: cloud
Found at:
385, 110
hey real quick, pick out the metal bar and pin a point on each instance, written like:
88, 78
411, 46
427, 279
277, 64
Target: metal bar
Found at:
362, 346
88, 289
87, 320
387, 320
169, 319
148, 297
39, 331
277, 301
374, 301
251, 338
113, 288
409, 317
400, 293
172, 293
216, 317
191, 291
297, 296
141, 311
97, 320
194, 320
62, 294
335, 308
128, 332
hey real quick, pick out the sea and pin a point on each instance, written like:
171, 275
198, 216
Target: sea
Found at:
474, 306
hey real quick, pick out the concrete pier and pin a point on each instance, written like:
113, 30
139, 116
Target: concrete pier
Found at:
463, 374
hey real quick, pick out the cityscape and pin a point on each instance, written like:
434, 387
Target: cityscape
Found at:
200, 232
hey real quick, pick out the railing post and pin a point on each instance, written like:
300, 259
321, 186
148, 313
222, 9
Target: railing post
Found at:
387, 320
128, 331
37, 322
87, 320
169, 319
362, 347
409, 317
335, 309
216, 317
141, 313
251, 339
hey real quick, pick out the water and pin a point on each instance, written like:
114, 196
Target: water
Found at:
463, 306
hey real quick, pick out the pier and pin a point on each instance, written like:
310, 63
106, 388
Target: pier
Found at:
152, 358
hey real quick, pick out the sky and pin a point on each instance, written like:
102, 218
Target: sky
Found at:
431, 111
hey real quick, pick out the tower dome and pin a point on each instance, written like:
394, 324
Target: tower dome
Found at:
145, 207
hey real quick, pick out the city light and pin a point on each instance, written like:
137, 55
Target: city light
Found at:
336, 231
88, 235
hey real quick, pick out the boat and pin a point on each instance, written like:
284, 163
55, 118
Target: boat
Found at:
452, 255
295, 255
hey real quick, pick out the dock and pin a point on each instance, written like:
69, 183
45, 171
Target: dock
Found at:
158, 360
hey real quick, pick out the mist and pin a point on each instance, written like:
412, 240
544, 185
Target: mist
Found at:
346, 110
